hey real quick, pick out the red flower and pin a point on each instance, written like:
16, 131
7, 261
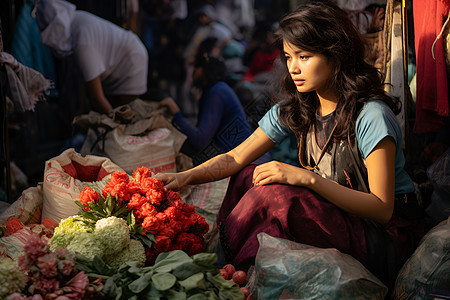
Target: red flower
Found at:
135, 187
185, 208
163, 243
155, 197
66, 266
34, 248
172, 213
141, 173
88, 195
146, 210
77, 285
172, 195
153, 224
45, 285
118, 186
119, 177
120, 190
47, 265
151, 183
190, 243
136, 201
198, 224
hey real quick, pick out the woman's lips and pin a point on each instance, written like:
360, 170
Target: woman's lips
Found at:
299, 82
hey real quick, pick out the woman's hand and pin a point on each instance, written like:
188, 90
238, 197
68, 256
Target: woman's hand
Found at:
170, 104
172, 181
278, 172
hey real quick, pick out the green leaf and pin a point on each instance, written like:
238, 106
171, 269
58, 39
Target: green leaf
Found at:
101, 200
101, 267
186, 270
119, 293
153, 293
163, 281
140, 284
167, 261
79, 204
129, 221
175, 295
194, 281
232, 293
108, 205
82, 267
213, 296
204, 259
87, 215
198, 297
109, 288
219, 282
134, 269
145, 239
121, 211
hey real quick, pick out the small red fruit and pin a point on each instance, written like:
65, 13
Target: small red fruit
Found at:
239, 277
224, 274
230, 269
245, 291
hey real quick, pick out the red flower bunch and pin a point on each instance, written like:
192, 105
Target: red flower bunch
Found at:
151, 210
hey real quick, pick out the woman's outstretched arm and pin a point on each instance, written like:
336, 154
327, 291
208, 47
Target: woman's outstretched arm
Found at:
221, 166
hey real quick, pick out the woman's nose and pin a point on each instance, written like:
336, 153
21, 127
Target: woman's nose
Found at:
293, 67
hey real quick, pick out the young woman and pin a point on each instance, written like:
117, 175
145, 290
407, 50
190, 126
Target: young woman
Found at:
349, 146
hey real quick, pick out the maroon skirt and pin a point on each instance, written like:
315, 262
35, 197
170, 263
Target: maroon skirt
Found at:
294, 213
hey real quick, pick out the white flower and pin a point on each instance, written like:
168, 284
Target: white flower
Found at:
113, 233
12, 280
135, 252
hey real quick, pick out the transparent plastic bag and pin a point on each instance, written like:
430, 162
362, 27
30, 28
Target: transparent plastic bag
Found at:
428, 268
288, 270
439, 175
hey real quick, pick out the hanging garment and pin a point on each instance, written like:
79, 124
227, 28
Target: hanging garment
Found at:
25, 84
27, 47
432, 100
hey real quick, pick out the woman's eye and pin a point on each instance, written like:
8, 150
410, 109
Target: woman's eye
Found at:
302, 57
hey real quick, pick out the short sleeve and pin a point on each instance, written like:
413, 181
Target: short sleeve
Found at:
375, 122
271, 126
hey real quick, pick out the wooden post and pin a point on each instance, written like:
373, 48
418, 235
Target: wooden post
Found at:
397, 64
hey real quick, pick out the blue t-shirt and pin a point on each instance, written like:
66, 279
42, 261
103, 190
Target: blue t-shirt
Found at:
375, 122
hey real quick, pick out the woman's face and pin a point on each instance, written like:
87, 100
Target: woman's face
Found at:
309, 71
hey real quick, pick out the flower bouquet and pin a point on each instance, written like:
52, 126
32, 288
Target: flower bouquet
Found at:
156, 217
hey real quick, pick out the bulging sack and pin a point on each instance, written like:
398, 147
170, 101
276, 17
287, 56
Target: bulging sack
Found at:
154, 150
64, 178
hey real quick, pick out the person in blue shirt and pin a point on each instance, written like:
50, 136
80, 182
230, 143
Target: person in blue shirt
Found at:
222, 123
351, 191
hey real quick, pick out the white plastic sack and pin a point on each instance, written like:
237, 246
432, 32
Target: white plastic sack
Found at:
154, 150
27, 208
65, 177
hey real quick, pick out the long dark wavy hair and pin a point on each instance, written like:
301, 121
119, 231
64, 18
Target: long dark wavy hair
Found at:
322, 27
